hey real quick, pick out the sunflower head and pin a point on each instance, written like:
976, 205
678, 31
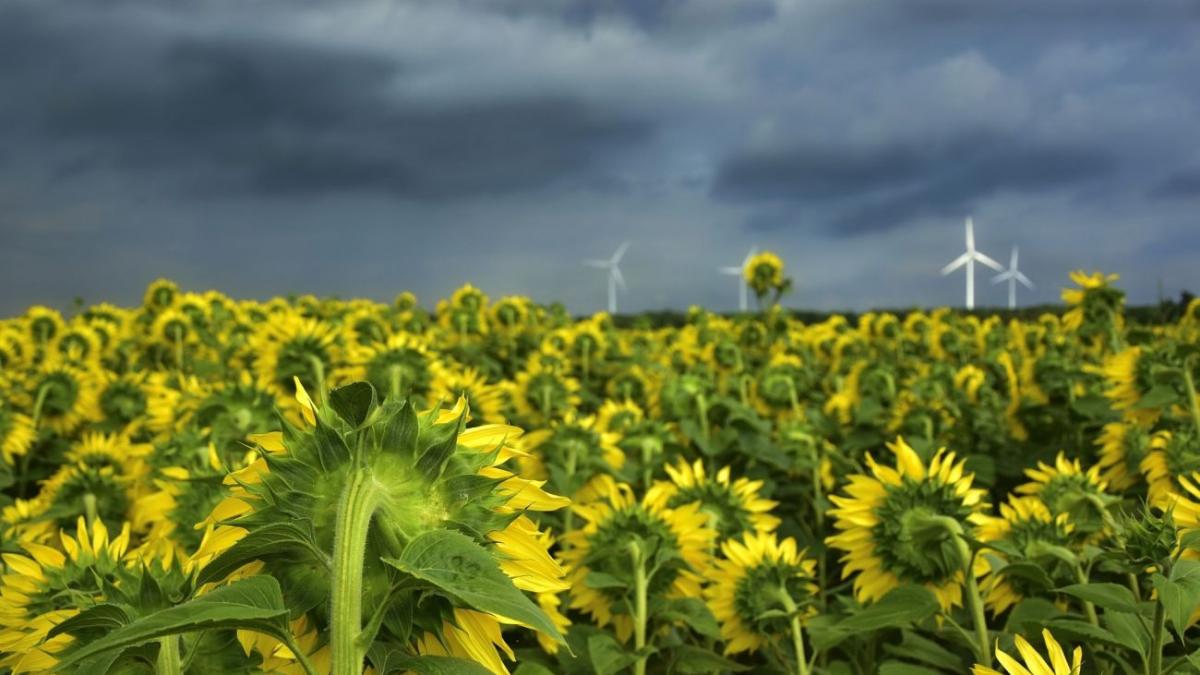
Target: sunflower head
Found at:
764, 274
1026, 530
423, 473
1067, 489
900, 525
43, 324
160, 294
1033, 663
732, 506
1123, 446
618, 531
749, 583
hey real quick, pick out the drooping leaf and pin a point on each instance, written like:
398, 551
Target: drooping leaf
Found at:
253, 604
271, 540
1103, 594
693, 660
388, 658
607, 655
353, 402
462, 569
693, 612
900, 608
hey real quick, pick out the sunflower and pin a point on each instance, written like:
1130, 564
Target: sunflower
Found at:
749, 580
64, 396
732, 506
1067, 489
764, 273
160, 294
100, 478
398, 366
780, 386
77, 343
292, 348
365, 326
543, 393
42, 587
1025, 527
1171, 454
486, 400
16, 433
630, 383
898, 525
1124, 373
123, 401
1123, 445
303, 474
619, 417
1034, 663
43, 324
570, 453
601, 545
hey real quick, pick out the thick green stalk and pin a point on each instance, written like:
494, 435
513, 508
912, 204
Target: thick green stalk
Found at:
89, 508
702, 413
818, 498
1190, 384
789, 606
640, 588
1156, 639
974, 601
168, 656
1087, 604
319, 373
355, 508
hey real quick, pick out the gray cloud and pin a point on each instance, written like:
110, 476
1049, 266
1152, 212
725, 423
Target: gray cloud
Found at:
362, 147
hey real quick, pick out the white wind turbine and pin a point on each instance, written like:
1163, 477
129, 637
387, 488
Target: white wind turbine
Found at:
1013, 275
615, 279
740, 273
969, 259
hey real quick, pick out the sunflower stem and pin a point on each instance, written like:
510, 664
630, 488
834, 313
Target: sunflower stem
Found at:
168, 662
818, 498
1156, 638
39, 403
1190, 384
89, 508
296, 650
702, 412
394, 380
177, 334
640, 587
356, 506
789, 606
974, 600
318, 368
1088, 606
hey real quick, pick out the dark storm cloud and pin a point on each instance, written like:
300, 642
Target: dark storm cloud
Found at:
1182, 183
880, 187
264, 115
361, 147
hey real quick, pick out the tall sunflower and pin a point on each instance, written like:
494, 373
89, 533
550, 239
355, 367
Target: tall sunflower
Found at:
1066, 488
601, 545
751, 578
898, 525
1025, 527
404, 475
1123, 445
733, 506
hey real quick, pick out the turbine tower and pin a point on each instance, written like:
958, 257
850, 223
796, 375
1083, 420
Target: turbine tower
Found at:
740, 273
615, 279
968, 258
1013, 275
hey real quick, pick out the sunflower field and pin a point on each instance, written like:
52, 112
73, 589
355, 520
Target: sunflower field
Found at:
207, 485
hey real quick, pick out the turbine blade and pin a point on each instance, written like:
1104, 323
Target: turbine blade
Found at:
989, 262
750, 255
1003, 276
1024, 280
956, 263
620, 252
731, 271
616, 275
1013, 264
970, 234
600, 264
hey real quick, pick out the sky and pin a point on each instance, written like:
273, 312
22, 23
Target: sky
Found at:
358, 149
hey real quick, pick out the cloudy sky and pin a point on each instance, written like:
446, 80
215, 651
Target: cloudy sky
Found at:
362, 148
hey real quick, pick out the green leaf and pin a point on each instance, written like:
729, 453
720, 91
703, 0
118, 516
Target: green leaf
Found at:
1181, 593
607, 655
462, 569
692, 660
272, 540
1030, 572
1107, 595
902, 668
253, 604
1159, 396
1031, 615
1129, 630
914, 647
432, 461
1084, 631
531, 668
101, 618
900, 608
694, 613
401, 430
603, 580
388, 658
353, 402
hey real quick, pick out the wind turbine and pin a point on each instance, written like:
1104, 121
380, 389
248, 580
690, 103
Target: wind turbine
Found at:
740, 273
1012, 275
969, 259
615, 279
